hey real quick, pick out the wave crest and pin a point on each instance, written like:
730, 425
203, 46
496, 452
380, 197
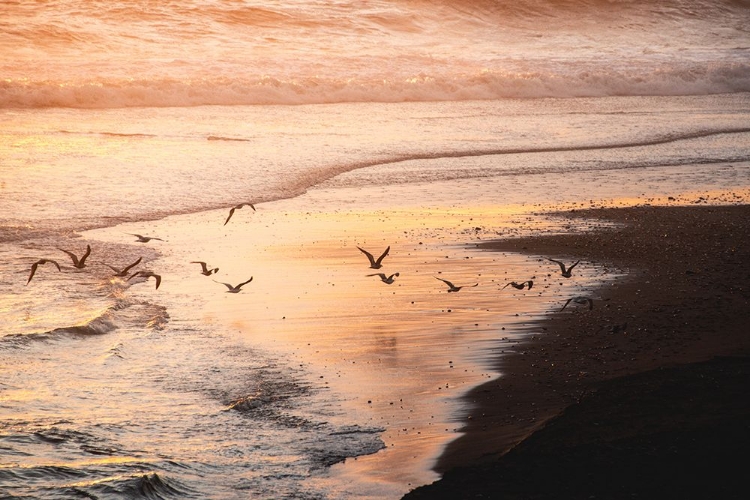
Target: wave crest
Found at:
484, 84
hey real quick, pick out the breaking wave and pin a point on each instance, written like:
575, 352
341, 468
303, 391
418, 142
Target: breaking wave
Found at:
484, 84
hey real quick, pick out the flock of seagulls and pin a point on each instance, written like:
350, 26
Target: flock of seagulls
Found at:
528, 284
206, 270
123, 272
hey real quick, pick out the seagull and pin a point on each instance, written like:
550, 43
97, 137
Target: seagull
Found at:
124, 271
78, 263
237, 207
452, 287
235, 289
206, 271
144, 239
147, 274
579, 300
37, 264
385, 279
519, 286
565, 272
375, 264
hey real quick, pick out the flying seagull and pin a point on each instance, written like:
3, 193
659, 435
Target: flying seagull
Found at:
565, 272
147, 274
206, 271
78, 263
385, 279
144, 239
519, 286
39, 263
124, 271
579, 300
237, 207
375, 264
452, 287
235, 289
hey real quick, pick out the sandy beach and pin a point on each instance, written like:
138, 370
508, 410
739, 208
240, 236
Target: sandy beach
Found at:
645, 394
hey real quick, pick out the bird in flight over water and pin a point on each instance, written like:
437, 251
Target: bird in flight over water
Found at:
235, 289
565, 272
78, 263
579, 300
385, 279
147, 274
206, 271
520, 286
144, 239
452, 287
375, 264
124, 271
39, 263
237, 207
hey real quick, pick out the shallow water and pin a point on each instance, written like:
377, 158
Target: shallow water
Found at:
112, 387
367, 123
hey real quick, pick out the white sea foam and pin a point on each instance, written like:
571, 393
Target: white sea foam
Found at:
304, 52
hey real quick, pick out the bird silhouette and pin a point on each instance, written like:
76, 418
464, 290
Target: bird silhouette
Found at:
144, 239
520, 286
237, 207
385, 279
39, 263
234, 289
565, 272
124, 271
78, 263
579, 300
452, 287
206, 271
375, 264
147, 275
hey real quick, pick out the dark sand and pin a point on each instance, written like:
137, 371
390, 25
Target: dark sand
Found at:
645, 396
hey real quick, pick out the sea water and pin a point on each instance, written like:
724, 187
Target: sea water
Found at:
421, 125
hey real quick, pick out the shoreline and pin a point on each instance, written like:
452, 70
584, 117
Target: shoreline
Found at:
683, 302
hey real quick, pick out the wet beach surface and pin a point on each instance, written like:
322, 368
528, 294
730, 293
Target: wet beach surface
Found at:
645, 394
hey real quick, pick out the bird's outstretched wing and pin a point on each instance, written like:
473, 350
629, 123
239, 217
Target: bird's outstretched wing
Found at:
380, 259
369, 256
566, 304
128, 268
37, 264
562, 266
445, 281
73, 256
203, 264
245, 283
231, 213
229, 287
82, 260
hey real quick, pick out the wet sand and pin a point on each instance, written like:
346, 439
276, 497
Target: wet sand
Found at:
645, 394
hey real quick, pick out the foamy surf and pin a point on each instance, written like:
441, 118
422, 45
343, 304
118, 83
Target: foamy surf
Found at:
304, 52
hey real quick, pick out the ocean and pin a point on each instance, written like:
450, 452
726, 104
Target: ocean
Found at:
422, 126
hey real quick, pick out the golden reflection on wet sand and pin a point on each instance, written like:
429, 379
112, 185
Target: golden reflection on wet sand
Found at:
398, 355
